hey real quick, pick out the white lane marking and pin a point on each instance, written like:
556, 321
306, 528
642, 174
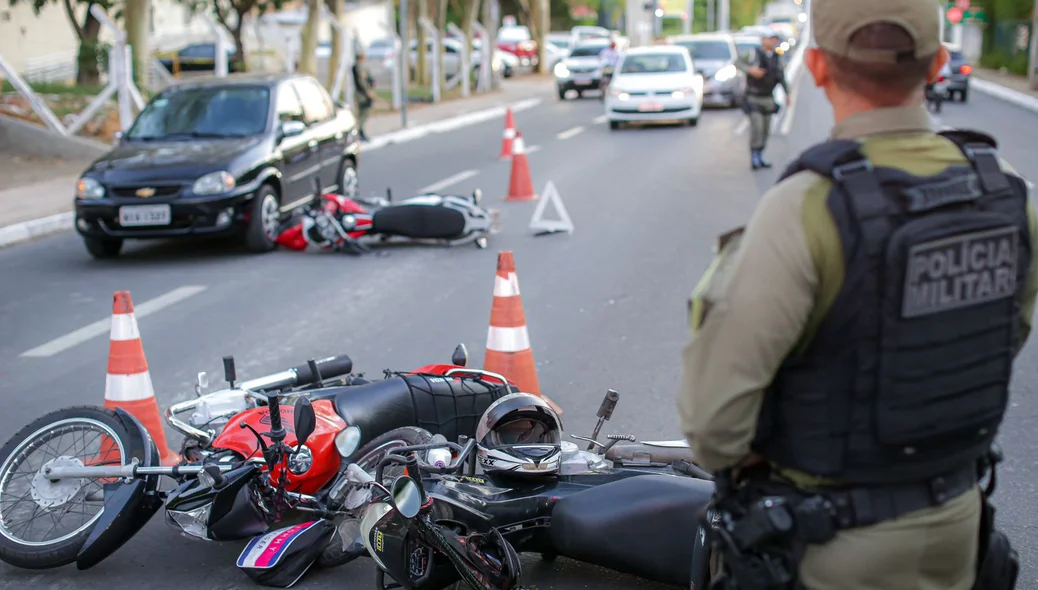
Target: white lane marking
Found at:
454, 179
570, 132
533, 148
100, 327
599, 120
742, 127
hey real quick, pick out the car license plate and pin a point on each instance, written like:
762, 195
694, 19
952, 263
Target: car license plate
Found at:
139, 215
582, 81
650, 107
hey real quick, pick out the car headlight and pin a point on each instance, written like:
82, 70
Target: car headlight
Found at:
214, 183
726, 73
621, 95
681, 93
561, 71
88, 188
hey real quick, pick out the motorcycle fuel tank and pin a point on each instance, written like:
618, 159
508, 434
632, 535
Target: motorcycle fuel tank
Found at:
310, 469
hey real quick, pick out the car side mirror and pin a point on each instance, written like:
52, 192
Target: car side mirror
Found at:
291, 129
305, 420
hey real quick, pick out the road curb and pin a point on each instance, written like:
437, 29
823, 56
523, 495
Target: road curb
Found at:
1007, 94
34, 228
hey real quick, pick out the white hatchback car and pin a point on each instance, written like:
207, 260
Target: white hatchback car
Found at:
655, 83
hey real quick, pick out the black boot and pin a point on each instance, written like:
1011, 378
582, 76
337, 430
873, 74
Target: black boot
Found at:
761, 161
755, 159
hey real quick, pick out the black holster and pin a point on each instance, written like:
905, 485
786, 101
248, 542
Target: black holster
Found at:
998, 564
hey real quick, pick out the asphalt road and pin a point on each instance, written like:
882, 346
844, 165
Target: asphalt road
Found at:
606, 306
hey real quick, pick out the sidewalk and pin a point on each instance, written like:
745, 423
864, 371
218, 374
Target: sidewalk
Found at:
48, 203
1011, 81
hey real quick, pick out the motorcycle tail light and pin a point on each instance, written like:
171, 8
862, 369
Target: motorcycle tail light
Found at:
194, 523
966, 70
940, 79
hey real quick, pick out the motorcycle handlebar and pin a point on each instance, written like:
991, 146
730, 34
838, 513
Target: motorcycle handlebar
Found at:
333, 366
398, 457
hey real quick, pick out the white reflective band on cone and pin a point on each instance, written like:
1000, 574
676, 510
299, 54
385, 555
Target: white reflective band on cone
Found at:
506, 287
124, 327
509, 133
518, 147
128, 388
508, 339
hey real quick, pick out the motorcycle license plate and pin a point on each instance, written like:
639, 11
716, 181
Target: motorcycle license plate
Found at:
650, 107
140, 215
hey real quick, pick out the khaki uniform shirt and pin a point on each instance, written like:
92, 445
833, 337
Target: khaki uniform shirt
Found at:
771, 286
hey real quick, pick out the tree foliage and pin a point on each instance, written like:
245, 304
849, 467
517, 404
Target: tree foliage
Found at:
91, 51
230, 14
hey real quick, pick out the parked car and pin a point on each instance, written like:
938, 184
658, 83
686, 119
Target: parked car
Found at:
581, 70
715, 55
655, 83
958, 86
516, 40
217, 156
452, 49
584, 34
199, 57
558, 46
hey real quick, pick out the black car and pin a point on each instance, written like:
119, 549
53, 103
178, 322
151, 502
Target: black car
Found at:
200, 57
219, 156
959, 80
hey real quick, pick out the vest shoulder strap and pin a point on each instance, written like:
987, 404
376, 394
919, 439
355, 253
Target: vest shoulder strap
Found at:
980, 149
827, 159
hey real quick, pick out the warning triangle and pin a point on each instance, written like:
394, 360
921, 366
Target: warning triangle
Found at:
551, 226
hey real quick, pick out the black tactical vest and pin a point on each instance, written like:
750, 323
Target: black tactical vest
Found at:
766, 85
907, 377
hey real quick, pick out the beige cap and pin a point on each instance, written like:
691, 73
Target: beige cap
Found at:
835, 21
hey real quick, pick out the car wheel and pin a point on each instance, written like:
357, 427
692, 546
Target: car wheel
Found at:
562, 94
102, 248
693, 122
580, 94
614, 125
264, 220
349, 181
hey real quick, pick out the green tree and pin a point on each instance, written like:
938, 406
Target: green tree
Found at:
91, 52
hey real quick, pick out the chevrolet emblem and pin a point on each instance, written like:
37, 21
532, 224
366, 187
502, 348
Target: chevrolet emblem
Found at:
144, 193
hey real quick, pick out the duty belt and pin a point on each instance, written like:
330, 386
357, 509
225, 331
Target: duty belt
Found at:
866, 506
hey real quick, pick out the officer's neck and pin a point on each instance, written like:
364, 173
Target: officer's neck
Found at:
846, 105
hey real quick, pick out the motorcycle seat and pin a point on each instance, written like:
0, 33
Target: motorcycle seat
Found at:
428, 222
449, 406
647, 526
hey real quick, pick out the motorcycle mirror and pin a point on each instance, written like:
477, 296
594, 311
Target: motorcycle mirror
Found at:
407, 498
228, 370
460, 356
347, 441
305, 420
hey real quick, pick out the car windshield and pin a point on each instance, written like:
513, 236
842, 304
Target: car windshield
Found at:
653, 63
746, 46
708, 49
587, 51
235, 111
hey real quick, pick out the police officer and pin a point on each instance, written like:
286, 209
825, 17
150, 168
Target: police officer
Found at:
852, 345
763, 73
364, 93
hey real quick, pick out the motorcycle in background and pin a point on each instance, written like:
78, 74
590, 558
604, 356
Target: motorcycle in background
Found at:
338, 223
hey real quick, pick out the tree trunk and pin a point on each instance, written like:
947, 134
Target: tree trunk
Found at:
421, 69
308, 57
337, 8
237, 34
469, 12
87, 71
441, 25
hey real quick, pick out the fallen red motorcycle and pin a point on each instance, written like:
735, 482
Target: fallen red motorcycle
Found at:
335, 222
257, 452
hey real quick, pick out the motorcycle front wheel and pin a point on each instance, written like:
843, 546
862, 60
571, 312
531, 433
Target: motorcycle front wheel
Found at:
44, 523
368, 458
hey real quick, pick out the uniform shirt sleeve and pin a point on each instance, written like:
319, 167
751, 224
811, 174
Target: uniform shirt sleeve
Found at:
749, 330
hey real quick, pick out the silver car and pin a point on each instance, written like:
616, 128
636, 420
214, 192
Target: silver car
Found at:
580, 70
715, 55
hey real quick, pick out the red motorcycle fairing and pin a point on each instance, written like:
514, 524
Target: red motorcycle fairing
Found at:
326, 457
294, 238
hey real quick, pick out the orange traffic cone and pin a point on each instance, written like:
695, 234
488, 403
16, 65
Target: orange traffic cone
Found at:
509, 135
520, 185
128, 384
508, 343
